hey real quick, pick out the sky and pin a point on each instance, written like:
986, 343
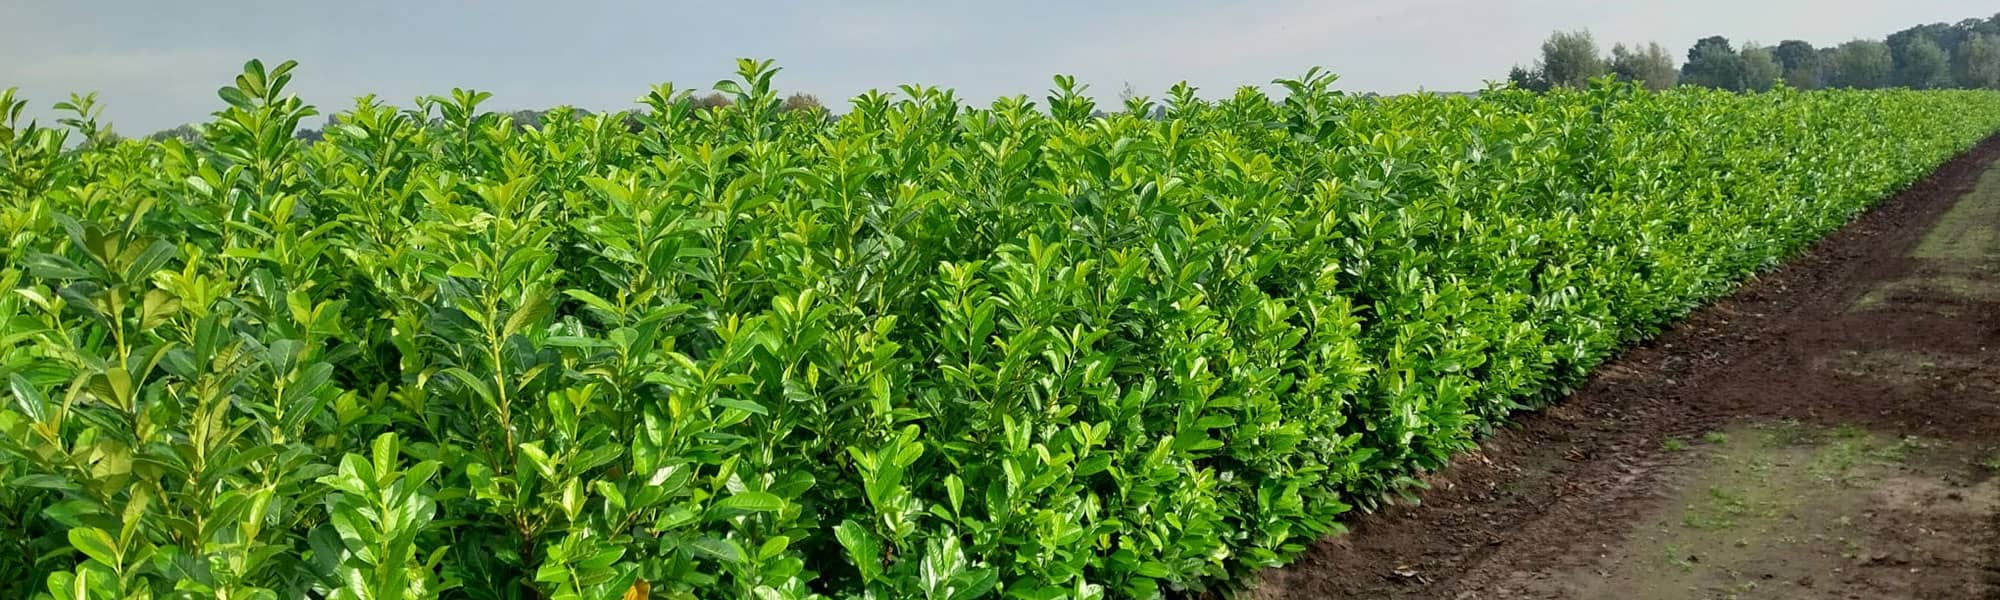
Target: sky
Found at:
157, 64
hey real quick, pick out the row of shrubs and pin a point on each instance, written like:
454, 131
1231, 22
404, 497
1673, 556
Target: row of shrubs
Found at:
1039, 349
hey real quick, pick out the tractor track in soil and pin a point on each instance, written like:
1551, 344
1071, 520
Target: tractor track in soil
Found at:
1562, 502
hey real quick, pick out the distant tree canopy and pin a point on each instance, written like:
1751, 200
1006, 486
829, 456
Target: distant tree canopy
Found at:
712, 100
1652, 66
1713, 62
1569, 59
1924, 65
1864, 64
1760, 68
1523, 78
1965, 54
1979, 61
798, 102
1798, 63
185, 133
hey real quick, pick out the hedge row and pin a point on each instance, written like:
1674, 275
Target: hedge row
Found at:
1032, 350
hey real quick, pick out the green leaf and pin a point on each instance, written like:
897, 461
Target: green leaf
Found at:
236, 98
387, 449
613, 498
71, 512
357, 533
742, 405
863, 550
475, 383
464, 271
750, 501
718, 549
1154, 569
539, 459
154, 257
773, 548
31, 400
96, 544
592, 300
44, 481
975, 583
676, 518
50, 266
955, 492
536, 307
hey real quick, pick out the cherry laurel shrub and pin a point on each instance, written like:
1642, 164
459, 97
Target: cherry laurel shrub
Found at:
1038, 349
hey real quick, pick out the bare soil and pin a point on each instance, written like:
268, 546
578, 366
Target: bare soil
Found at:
1831, 430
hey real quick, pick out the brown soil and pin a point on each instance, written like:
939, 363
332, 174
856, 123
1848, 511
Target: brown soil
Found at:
1831, 430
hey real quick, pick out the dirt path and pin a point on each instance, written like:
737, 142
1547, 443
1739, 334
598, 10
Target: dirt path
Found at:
1832, 430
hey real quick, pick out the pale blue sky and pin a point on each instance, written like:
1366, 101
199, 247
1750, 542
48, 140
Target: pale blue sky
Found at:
158, 63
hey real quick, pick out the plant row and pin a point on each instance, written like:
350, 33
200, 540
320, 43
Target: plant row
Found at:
1040, 349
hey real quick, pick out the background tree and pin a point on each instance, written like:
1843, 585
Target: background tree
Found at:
1829, 61
526, 119
1527, 79
801, 101
1799, 64
1918, 66
187, 134
1863, 64
1929, 56
1760, 68
712, 100
1713, 62
1652, 66
1570, 59
1924, 65
103, 139
1979, 61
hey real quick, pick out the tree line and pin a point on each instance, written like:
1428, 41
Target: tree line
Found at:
1939, 55
1965, 54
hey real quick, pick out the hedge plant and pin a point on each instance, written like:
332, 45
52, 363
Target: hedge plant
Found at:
1037, 349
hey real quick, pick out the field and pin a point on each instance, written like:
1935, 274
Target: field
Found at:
1043, 349
1829, 430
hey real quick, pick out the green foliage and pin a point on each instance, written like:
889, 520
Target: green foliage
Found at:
1570, 59
1799, 63
801, 101
1713, 62
1933, 56
713, 100
1651, 66
1862, 64
1979, 60
1531, 80
1760, 68
722, 349
1924, 66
